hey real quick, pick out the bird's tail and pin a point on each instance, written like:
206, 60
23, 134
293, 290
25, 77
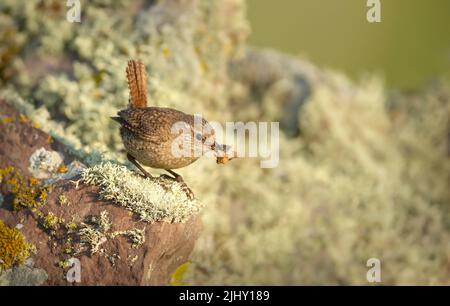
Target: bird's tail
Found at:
137, 84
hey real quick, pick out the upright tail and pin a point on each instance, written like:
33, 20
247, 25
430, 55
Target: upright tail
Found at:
137, 84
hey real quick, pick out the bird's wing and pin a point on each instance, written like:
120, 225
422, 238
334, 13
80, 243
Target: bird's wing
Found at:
154, 124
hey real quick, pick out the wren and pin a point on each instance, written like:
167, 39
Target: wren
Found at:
150, 134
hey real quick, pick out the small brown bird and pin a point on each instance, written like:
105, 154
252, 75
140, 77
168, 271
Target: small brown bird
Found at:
158, 137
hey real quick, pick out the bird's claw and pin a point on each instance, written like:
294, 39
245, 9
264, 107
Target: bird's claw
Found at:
164, 177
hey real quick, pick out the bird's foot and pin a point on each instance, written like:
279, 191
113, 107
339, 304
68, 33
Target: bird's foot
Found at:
176, 176
188, 191
166, 177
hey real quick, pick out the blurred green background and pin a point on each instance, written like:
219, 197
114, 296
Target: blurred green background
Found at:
409, 47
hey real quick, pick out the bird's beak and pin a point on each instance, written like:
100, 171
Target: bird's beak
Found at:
217, 147
223, 153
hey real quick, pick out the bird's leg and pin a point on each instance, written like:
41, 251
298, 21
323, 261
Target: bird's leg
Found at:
184, 186
176, 176
134, 161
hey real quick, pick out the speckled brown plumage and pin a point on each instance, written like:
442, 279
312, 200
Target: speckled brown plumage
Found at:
147, 136
148, 133
137, 84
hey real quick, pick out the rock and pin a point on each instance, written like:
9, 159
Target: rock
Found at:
23, 276
64, 226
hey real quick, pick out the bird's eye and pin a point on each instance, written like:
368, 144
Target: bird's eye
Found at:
198, 136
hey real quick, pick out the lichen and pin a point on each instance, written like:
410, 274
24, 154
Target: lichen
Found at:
92, 238
71, 227
177, 276
42, 159
62, 200
62, 169
50, 221
136, 236
362, 169
43, 163
63, 264
97, 231
94, 233
143, 196
28, 192
14, 248
23, 276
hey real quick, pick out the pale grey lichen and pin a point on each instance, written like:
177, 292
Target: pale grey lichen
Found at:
43, 162
94, 234
23, 276
97, 231
73, 170
143, 196
92, 239
136, 236
102, 222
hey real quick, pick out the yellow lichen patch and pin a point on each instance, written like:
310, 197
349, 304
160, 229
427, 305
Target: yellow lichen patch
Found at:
29, 197
177, 276
166, 52
14, 249
50, 221
4, 172
33, 181
36, 125
27, 192
23, 118
62, 200
71, 226
7, 120
63, 264
62, 169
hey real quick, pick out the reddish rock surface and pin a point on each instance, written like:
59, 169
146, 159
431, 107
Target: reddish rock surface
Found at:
166, 246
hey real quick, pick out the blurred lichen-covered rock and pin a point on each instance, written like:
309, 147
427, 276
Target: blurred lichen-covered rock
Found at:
363, 172
195, 40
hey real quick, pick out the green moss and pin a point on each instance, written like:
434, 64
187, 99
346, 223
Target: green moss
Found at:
14, 249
